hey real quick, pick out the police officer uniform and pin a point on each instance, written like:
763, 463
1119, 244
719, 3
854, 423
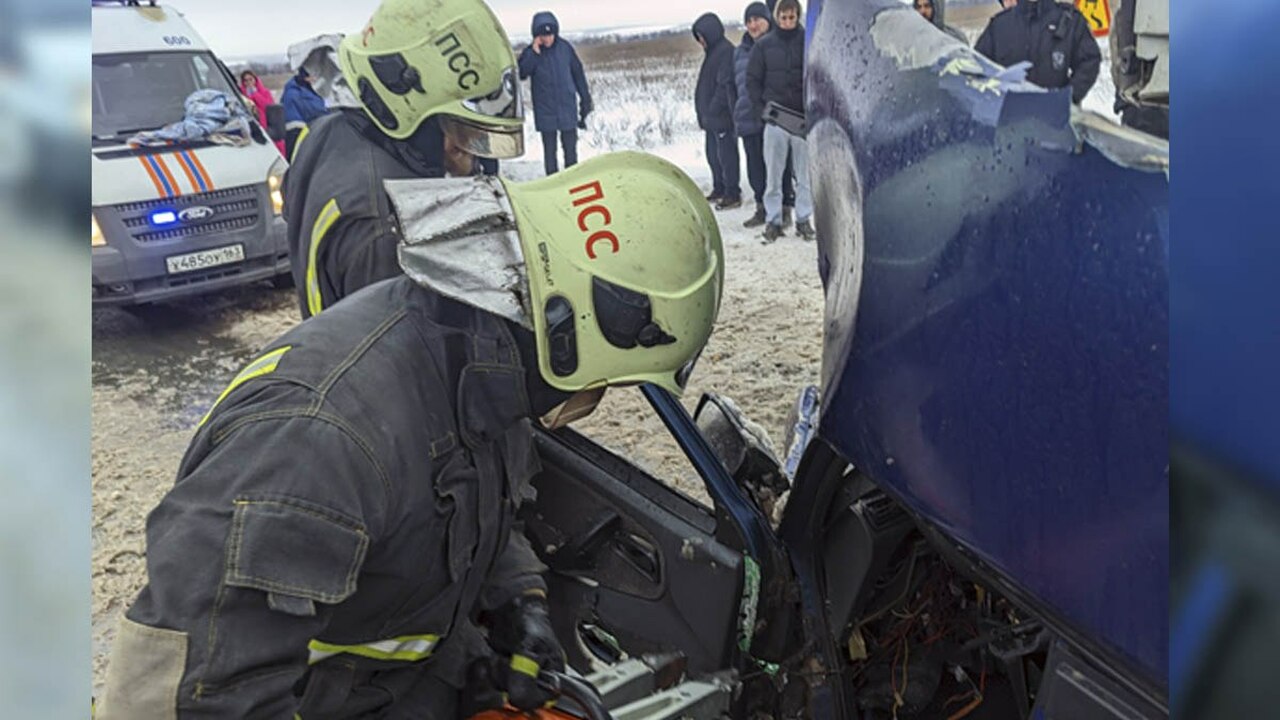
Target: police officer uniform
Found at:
1053, 36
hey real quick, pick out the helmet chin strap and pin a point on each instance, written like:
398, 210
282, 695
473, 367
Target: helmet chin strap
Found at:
578, 406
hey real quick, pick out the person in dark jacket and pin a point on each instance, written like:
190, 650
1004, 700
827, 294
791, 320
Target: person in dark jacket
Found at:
302, 105
337, 216
933, 11
748, 124
558, 84
775, 73
345, 519
1054, 37
714, 98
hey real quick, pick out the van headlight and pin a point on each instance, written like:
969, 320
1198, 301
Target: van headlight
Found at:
275, 182
96, 239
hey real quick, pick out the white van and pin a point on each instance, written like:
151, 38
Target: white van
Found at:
179, 219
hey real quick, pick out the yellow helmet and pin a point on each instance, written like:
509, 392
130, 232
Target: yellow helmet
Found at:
449, 58
625, 271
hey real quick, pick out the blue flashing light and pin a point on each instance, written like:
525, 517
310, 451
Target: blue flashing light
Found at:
164, 217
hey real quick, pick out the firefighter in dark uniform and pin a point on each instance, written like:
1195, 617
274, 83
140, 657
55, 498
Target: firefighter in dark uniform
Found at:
437, 86
341, 539
1054, 37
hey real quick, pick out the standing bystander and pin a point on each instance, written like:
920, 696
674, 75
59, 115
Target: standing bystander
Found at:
714, 99
561, 98
302, 105
748, 123
775, 77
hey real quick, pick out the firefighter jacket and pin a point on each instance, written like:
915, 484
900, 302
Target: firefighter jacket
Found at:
342, 235
343, 514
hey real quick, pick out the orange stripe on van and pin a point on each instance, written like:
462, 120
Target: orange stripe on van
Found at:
155, 180
195, 186
208, 181
164, 168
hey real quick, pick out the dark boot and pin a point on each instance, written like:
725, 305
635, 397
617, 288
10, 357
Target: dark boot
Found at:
805, 229
714, 196
772, 232
728, 203
755, 220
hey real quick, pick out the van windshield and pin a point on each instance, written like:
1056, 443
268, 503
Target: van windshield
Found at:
144, 91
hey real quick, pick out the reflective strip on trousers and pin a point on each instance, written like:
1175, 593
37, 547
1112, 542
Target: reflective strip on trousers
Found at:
325, 220
408, 648
262, 366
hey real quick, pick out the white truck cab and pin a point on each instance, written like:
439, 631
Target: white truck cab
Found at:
179, 219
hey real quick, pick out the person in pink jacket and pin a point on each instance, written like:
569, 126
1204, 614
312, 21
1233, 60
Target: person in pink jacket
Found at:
253, 89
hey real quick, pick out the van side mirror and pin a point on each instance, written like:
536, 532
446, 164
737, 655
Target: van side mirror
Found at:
275, 122
743, 447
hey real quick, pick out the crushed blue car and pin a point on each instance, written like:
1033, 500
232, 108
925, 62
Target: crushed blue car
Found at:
977, 519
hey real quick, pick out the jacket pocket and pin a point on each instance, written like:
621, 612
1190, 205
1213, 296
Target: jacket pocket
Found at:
297, 552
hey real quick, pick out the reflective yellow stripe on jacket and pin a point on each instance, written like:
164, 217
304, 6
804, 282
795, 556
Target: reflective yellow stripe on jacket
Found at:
262, 366
408, 648
325, 220
306, 129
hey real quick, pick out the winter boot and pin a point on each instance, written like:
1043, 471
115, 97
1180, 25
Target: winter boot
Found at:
772, 232
728, 203
755, 220
786, 216
714, 196
805, 229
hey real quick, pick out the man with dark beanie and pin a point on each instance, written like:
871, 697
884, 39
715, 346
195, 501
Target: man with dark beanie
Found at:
750, 127
775, 74
714, 98
558, 85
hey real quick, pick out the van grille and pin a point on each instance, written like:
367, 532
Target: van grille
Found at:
233, 209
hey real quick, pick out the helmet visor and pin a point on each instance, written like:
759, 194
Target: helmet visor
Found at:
487, 141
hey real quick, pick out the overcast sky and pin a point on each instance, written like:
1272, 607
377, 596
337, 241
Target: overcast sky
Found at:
255, 27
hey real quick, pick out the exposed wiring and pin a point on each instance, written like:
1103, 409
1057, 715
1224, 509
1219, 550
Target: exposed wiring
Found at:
962, 712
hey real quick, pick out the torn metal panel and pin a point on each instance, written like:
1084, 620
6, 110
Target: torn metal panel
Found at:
1121, 145
459, 238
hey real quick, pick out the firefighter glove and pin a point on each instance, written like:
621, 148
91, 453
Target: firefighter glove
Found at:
521, 631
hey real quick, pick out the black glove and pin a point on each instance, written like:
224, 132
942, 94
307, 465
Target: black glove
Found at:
582, 117
521, 631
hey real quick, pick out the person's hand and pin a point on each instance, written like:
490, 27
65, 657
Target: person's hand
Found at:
537, 46
521, 630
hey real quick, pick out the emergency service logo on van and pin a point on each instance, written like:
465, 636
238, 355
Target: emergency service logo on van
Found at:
195, 213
